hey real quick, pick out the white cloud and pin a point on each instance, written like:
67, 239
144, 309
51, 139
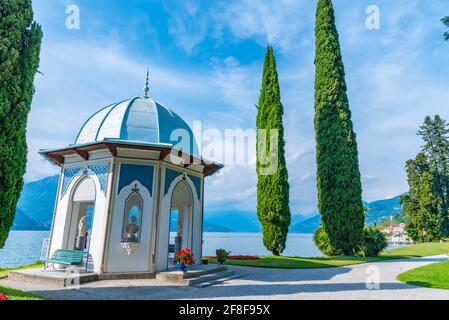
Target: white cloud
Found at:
239, 87
232, 188
187, 25
278, 22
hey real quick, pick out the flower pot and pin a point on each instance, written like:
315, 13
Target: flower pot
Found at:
221, 261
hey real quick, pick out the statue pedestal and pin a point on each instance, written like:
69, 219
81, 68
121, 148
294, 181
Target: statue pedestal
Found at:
80, 241
178, 243
129, 247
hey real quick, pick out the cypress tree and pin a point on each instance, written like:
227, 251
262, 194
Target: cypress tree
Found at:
272, 187
20, 40
445, 21
338, 175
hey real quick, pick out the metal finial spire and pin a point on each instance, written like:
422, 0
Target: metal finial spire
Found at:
146, 88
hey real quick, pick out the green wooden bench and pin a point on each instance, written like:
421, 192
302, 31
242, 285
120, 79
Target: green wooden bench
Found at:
65, 257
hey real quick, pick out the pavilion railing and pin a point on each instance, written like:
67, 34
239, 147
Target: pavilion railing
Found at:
45, 249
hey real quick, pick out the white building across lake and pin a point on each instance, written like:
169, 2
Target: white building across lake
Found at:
123, 182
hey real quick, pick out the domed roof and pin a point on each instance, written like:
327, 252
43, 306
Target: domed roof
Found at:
140, 119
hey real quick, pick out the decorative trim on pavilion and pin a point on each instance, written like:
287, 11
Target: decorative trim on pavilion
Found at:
57, 155
100, 170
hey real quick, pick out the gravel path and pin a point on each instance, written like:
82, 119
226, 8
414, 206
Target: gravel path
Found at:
260, 283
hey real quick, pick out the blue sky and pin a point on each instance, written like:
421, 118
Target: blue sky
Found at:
206, 59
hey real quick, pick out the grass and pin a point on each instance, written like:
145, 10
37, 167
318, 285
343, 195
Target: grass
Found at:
14, 294
418, 250
412, 251
295, 262
4, 271
435, 275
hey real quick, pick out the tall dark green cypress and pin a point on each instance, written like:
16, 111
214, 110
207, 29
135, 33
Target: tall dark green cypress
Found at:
20, 41
273, 208
338, 175
445, 21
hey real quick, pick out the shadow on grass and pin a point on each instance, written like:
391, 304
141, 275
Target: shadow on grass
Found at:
294, 262
406, 258
284, 262
419, 284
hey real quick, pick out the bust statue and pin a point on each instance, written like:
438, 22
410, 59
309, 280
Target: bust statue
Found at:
82, 227
80, 242
131, 229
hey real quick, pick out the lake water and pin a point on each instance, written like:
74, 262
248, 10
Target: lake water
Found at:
24, 247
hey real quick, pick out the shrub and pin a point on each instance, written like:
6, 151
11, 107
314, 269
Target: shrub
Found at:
321, 240
222, 255
374, 242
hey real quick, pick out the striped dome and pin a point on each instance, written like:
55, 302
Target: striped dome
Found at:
141, 120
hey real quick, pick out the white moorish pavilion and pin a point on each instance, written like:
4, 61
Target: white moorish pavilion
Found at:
124, 185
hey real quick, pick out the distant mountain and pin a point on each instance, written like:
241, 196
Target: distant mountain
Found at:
383, 209
36, 203
307, 226
207, 226
237, 221
23, 222
35, 211
377, 211
210, 227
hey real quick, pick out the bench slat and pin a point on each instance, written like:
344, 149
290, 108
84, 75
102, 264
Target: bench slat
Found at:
66, 257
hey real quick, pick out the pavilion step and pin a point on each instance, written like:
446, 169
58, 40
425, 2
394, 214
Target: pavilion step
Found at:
193, 275
198, 273
54, 278
208, 278
218, 280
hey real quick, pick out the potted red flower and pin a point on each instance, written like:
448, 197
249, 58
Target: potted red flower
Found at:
184, 259
222, 255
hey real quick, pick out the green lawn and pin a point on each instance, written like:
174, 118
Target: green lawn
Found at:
418, 250
435, 275
4, 271
295, 262
14, 294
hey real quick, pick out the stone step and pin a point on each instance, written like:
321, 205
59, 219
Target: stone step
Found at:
176, 276
54, 278
194, 275
200, 272
211, 282
208, 278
